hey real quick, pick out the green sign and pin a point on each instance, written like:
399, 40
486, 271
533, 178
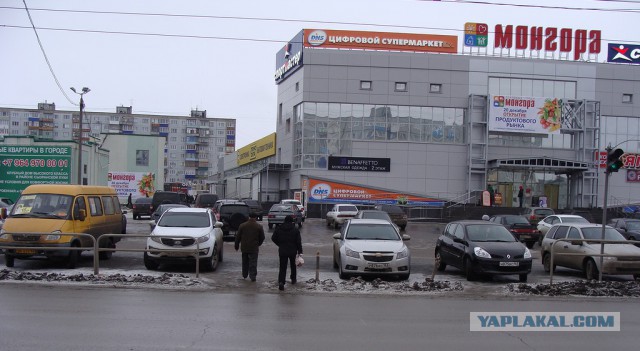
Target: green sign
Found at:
21, 166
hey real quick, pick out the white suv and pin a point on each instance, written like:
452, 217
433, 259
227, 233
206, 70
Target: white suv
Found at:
296, 202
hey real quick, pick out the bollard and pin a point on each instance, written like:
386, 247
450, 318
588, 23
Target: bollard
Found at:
317, 266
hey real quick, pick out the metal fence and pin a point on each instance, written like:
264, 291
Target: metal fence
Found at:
95, 247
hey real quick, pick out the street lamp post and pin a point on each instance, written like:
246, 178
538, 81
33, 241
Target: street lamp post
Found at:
84, 91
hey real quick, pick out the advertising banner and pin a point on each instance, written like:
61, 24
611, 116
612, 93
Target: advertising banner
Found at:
257, 150
623, 53
323, 191
21, 166
367, 164
348, 39
633, 176
138, 184
517, 114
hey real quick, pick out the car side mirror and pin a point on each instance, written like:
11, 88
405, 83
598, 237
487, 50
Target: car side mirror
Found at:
458, 240
406, 237
336, 236
624, 228
152, 224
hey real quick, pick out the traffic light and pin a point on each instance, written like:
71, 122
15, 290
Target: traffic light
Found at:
614, 163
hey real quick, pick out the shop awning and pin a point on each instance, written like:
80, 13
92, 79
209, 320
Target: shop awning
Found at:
541, 163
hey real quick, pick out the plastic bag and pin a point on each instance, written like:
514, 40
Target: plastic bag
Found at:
299, 260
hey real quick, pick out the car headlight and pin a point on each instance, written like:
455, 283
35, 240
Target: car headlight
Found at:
351, 253
403, 254
203, 238
609, 258
527, 253
54, 236
480, 252
4, 235
156, 239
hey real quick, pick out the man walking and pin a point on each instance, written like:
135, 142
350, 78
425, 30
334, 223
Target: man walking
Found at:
287, 238
520, 195
249, 237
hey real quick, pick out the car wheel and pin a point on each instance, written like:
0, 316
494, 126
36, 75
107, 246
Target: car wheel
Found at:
149, 263
74, 255
405, 276
341, 273
105, 255
530, 244
211, 263
260, 218
335, 263
468, 270
546, 262
328, 223
523, 278
439, 262
9, 260
135, 217
221, 254
270, 225
590, 269
336, 225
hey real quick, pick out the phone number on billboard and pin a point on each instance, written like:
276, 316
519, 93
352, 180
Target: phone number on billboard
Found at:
35, 162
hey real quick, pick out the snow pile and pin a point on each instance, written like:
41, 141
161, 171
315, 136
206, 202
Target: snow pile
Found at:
357, 284
581, 288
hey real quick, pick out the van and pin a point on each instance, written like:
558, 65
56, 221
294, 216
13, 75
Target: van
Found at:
167, 197
59, 208
206, 200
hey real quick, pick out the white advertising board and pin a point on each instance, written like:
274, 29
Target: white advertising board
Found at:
517, 114
139, 184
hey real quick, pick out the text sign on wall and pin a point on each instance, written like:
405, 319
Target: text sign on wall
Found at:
633, 176
138, 184
366, 164
519, 114
476, 34
624, 53
21, 166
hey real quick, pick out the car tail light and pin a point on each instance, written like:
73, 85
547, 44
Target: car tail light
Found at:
532, 217
271, 216
134, 206
345, 215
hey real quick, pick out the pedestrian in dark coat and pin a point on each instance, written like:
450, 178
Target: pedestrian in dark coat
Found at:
520, 195
287, 237
249, 237
129, 203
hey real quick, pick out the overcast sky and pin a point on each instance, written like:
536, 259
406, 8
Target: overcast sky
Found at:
230, 72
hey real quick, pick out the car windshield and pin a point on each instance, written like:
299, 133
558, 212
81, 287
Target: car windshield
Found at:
375, 215
633, 225
392, 209
185, 219
372, 232
484, 233
574, 220
348, 209
543, 212
43, 206
280, 208
516, 220
144, 200
595, 233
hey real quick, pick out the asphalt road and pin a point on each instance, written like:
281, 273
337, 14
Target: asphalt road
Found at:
70, 318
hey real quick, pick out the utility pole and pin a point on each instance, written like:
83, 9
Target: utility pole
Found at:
84, 91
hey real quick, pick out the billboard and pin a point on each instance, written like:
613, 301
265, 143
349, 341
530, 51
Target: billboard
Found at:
289, 58
21, 166
323, 191
257, 150
362, 164
623, 53
349, 39
476, 34
138, 184
517, 114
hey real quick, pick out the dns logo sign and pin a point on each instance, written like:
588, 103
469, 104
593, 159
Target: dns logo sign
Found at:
320, 191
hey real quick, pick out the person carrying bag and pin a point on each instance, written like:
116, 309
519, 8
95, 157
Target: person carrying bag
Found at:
287, 237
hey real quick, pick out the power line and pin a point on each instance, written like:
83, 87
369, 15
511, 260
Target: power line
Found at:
475, 2
45, 55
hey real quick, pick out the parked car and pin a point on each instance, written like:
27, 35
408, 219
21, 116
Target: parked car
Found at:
232, 215
520, 227
216, 206
482, 247
340, 213
300, 206
142, 207
371, 247
167, 197
545, 224
373, 214
629, 228
183, 229
6, 202
162, 209
396, 213
536, 214
278, 212
626, 259
255, 206
205, 200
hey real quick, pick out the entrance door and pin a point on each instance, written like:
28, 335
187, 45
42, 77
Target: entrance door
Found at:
507, 194
551, 191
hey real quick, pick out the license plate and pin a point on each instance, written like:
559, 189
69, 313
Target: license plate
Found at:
378, 265
26, 252
525, 236
177, 254
509, 264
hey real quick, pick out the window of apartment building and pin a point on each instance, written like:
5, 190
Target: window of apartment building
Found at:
280, 113
15, 123
401, 86
288, 127
145, 120
145, 129
174, 121
365, 85
297, 86
220, 149
435, 88
174, 147
174, 130
220, 132
627, 98
65, 134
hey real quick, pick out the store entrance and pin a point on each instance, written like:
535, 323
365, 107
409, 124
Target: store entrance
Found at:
552, 191
506, 189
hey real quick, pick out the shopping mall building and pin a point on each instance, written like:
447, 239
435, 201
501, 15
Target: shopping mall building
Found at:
418, 119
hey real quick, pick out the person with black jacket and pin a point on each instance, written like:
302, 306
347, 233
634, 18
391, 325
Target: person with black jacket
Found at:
287, 237
249, 238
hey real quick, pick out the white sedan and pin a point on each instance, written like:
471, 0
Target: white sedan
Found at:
181, 232
340, 213
545, 224
371, 247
